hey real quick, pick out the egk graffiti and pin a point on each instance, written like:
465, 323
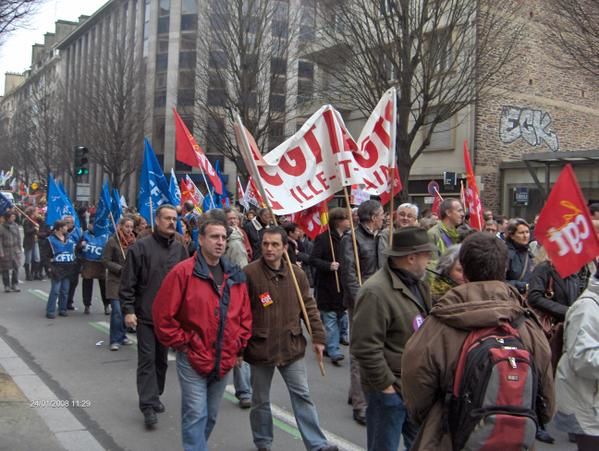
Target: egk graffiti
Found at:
530, 125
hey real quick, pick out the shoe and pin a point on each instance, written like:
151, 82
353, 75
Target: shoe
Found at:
337, 359
127, 342
71, 307
63, 314
245, 403
131, 330
7, 289
16, 289
571, 437
114, 347
325, 353
349, 401
544, 436
49, 316
360, 417
150, 418
344, 342
107, 310
159, 408
263, 449
329, 448
86, 310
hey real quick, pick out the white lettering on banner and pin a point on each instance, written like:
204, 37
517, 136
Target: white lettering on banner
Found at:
64, 258
92, 249
569, 238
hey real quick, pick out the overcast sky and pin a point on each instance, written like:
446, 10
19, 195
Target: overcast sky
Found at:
15, 50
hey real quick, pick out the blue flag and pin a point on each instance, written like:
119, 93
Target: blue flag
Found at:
5, 204
103, 223
59, 204
152, 185
175, 193
115, 205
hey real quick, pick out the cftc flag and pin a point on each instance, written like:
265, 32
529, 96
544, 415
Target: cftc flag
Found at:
153, 187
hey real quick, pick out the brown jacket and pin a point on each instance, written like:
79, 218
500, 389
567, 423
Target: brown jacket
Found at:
431, 354
113, 261
277, 337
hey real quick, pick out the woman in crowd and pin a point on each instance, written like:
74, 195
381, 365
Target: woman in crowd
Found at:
91, 248
577, 378
520, 259
113, 259
448, 273
31, 246
60, 255
10, 252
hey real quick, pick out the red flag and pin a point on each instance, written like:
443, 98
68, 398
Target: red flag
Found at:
565, 228
241, 196
313, 221
472, 197
188, 151
437, 204
385, 197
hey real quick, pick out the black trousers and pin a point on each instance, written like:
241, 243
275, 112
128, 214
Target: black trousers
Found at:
73, 282
87, 286
10, 278
151, 366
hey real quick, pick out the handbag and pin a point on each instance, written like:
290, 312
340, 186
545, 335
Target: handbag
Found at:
554, 330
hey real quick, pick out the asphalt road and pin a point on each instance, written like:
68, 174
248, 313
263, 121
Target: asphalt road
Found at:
70, 356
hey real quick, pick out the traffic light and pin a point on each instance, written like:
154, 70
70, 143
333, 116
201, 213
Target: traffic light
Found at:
81, 161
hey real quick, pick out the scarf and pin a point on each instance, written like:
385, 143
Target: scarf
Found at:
452, 234
126, 240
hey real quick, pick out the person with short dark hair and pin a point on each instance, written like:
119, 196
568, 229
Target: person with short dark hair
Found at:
431, 355
10, 252
278, 343
202, 310
520, 258
148, 262
445, 232
594, 209
254, 229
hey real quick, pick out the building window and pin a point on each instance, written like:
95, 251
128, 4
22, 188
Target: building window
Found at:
217, 60
278, 85
277, 103
305, 90
159, 99
442, 136
164, 8
215, 132
161, 62
187, 41
278, 66
189, 22
163, 25
187, 60
305, 69
186, 79
216, 97
185, 97
189, 6
276, 134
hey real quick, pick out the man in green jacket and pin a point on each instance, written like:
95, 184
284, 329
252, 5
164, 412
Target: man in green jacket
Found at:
390, 307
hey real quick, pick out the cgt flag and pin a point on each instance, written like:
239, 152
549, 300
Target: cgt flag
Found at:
565, 228
314, 220
188, 151
472, 196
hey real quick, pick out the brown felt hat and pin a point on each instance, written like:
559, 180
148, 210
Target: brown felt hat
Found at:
410, 240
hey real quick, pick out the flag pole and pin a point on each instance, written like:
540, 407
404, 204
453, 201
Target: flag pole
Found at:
249, 159
392, 164
24, 214
353, 236
116, 232
334, 259
151, 213
208, 188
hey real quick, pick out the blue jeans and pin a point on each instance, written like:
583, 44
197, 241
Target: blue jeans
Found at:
242, 381
117, 327
200, 401
295, 378
386, 421
32, 255
332, 325
344, 326
59, 289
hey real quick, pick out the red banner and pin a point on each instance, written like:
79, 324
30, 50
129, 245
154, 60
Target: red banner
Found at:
188, 151
472, 196
313, 221
565, 228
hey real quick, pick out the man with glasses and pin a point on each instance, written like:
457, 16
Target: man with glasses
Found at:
148, 262
390, 307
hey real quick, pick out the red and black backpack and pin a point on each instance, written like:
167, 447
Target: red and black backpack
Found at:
492, 404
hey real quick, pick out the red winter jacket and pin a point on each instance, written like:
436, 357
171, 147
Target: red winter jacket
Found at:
187, 315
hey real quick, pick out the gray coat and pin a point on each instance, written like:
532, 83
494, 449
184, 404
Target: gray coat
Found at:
10, 247
369, 262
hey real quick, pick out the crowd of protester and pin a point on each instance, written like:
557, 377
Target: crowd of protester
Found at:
404, 292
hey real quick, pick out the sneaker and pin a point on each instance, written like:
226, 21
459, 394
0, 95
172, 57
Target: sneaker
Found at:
86, 310
245, 403
7, 289
159, 408
544, 436
344, 342
329, 448
127, 342
50, 316
150, 418
107, 310
71, 307
337, 359
15, 289
360, 417
114, 347
63, 314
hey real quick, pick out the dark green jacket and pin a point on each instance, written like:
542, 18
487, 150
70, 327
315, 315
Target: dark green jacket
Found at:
386, 315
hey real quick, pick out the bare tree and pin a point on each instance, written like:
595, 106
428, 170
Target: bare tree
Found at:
246, 66
441, 56
574, 27
106, 113
14, 12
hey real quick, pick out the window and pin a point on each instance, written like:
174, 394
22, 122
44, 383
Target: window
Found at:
305, 69
439, 50
185, 97
278, 66
305, 90
159, 99
161, 81
161, 62
188, 41
442, 136
277, 103
164, 8
189, 7
215, 132
162, 44
163, 25
189, 22
217, 60
187, 60
216, 97
280, 29
276, 134
186, 79
278, 85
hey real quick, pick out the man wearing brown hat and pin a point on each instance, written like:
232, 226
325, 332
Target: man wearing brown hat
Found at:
390, 307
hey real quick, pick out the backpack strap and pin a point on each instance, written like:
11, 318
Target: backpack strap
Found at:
525, 269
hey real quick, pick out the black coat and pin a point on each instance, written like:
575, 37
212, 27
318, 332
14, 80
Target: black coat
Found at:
566, 291
520, 265
327, 296
148, 262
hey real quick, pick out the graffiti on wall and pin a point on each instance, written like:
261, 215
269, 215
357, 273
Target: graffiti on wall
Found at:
530, 125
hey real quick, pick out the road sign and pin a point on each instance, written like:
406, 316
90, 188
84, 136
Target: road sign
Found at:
432, 187
82, 192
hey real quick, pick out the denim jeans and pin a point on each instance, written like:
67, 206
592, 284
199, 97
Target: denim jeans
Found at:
59, 289
332, 325
242, 381
32, 255
200, 401
344, 326
386, 421
295, 378
117, 327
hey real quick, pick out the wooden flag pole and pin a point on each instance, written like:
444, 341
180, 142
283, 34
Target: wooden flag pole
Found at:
391, 216
251, 165
353, 236
116, 232
334, 260
25, 214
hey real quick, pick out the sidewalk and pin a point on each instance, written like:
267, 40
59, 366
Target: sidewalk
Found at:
21, 428
50, 427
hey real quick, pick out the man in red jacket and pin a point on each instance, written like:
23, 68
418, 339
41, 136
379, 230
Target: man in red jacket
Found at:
202, 310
